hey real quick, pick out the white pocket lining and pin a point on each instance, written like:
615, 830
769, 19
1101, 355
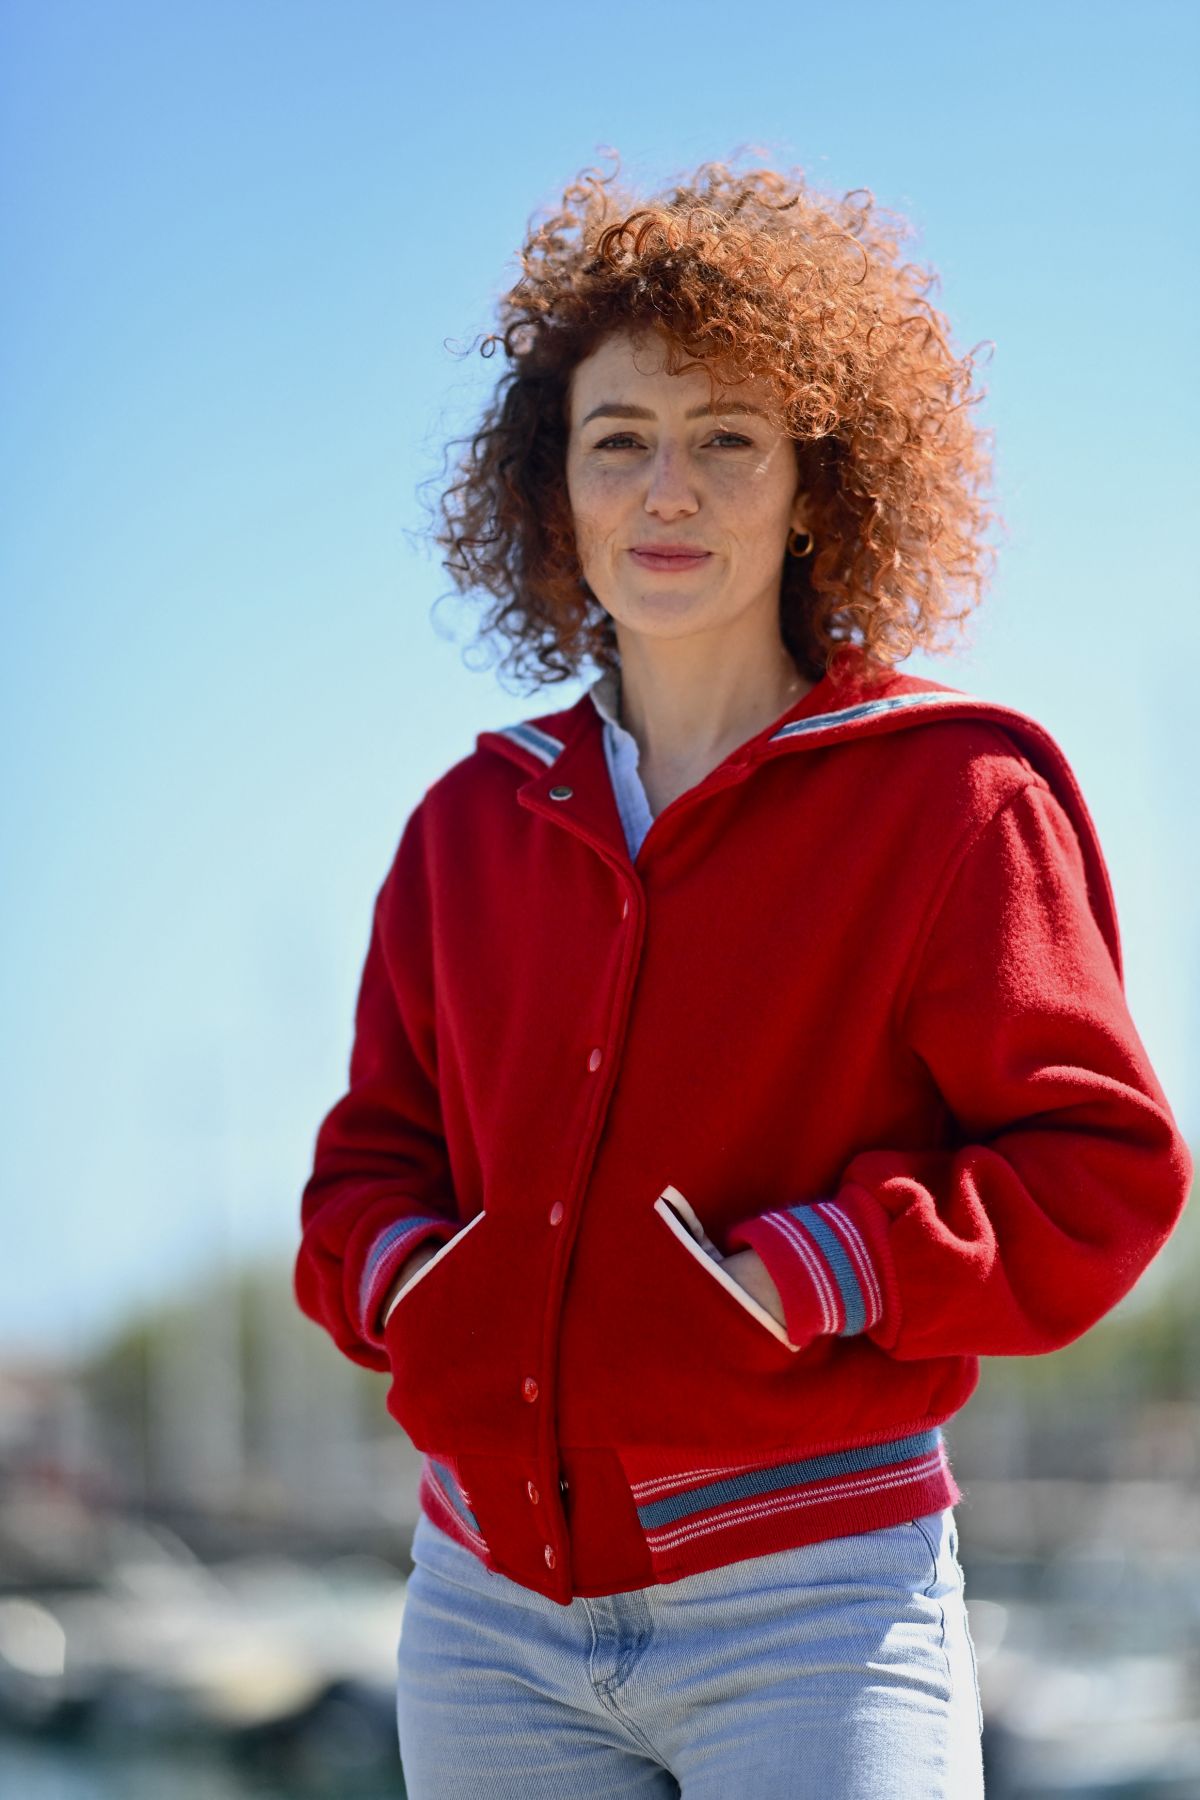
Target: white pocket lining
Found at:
412, 1281
691, 1234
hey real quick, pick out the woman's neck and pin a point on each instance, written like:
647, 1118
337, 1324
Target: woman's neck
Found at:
680, 726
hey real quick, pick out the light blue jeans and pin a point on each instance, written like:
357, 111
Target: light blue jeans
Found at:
841, 1670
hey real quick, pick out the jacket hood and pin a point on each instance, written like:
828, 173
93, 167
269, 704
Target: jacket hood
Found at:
835, 712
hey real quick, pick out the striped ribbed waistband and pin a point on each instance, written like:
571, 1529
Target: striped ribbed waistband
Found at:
637, 1516
874, 1483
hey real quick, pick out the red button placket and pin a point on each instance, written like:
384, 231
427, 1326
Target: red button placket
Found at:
529, 1386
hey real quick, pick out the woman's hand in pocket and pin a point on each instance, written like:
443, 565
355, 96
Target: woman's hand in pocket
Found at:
750, 1272
421, 1255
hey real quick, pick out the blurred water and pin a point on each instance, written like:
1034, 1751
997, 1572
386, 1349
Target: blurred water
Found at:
39, 1772
34, 1770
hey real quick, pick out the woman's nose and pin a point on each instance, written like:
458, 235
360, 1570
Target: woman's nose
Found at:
671, 481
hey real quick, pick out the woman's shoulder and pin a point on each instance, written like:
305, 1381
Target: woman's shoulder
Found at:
959, 752
970, 763
971, 758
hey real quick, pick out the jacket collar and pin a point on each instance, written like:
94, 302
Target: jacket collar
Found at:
562, 753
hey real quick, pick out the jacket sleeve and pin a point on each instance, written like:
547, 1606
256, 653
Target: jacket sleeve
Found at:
1066, 1172
380, 1183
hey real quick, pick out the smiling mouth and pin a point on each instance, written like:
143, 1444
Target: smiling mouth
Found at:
669, 559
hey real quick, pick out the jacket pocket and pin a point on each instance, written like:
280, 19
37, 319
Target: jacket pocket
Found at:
687, 1230
431, 1334
445, 1249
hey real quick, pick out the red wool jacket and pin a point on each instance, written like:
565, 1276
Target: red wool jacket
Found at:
857, 1003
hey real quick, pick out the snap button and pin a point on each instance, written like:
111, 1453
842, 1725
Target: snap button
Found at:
551, 1559
561, 793
556, 1212
529, 1388
594, 1060
532, 1492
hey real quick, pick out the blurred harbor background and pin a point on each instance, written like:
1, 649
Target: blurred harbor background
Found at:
250, 247
205, 1533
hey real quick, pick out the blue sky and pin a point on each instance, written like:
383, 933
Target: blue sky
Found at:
244, 243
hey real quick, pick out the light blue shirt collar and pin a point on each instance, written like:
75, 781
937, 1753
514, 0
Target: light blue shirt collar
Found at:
621, 754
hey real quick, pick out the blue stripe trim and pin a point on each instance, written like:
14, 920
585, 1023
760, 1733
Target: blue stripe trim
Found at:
453, 1493
868, 709
751, 1482
382, 1248
393, 1235
531, 737
840, 1266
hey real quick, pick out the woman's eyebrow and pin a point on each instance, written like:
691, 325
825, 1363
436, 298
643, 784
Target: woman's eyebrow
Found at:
612, 409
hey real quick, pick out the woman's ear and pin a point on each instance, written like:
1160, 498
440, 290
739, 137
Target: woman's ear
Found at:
800, 510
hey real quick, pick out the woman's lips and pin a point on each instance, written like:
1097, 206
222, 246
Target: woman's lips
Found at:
669, 562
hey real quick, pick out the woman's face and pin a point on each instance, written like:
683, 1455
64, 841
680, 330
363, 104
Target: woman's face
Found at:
723, 483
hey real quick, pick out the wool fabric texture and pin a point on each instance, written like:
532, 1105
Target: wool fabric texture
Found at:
855, 1001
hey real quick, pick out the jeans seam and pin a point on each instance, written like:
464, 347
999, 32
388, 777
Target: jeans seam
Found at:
606, 1693
932, 1549
962, 1593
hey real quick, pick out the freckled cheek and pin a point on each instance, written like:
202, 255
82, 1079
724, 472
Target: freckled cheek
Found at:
757, 508
601, 491
598, 511
756, 488
588, 536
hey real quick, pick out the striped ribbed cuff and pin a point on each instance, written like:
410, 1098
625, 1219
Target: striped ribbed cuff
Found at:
386, 1257
827, 1258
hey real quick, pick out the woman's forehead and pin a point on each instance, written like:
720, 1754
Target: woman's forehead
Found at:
628, 367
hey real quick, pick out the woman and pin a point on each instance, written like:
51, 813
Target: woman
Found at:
741, 1052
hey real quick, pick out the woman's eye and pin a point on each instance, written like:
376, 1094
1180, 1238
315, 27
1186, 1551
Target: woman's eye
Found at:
624, 437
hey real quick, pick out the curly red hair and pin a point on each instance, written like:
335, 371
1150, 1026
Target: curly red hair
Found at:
748, 275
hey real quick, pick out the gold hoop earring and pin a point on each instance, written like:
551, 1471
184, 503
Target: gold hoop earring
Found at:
792, 550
